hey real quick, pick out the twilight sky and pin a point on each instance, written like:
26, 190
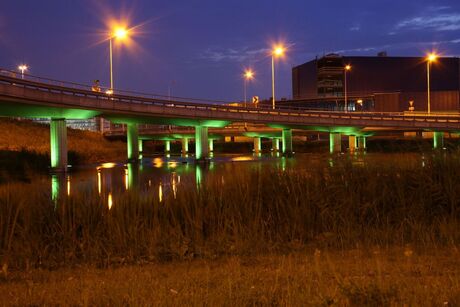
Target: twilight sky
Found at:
201, 47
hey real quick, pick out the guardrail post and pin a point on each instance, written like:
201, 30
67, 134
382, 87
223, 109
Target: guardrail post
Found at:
141, 146
335, 142
257, 145
133, 142
58, 142
287, 142
201, 143
438, 139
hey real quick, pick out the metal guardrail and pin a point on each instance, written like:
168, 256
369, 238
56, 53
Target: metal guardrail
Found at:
75, 89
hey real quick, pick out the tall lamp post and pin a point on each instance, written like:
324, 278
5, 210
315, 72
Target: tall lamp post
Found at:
430, 59
277, 52
118, 33
347, 69
248, 76
23, 68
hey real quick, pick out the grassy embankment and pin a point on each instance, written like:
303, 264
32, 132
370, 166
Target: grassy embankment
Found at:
373, 234
25, 146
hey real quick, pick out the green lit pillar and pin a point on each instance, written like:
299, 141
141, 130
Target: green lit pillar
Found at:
275, 145
132, 171
58, 141
352, 143
287, 141
184, 142
438, 139
133, 142
362, 143
257, 145
335, 142
167, 146
211, 145
141, 146
201, 143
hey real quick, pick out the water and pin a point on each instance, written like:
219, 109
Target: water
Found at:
161, 176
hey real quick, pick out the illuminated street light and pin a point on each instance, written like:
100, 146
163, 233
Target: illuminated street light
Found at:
278, 51
430, 59
248, 76
346, 69
23, 68
119, 33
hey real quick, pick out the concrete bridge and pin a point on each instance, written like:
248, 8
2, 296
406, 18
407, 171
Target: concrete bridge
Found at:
43, 98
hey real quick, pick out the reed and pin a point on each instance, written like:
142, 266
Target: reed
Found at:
248, 213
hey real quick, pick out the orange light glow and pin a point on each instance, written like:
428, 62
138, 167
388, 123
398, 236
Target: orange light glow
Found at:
432, 57
348, 67
249, 74
279, 50
120, 33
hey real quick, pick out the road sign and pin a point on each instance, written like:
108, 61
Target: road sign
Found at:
255, 99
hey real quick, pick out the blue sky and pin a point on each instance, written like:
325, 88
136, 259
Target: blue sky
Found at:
200, 48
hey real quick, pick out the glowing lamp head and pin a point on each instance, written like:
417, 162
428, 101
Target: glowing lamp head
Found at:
432, 57
23, 67
348, 67
278, 51
120, 33
249, 75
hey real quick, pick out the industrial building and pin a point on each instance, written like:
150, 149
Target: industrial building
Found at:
376, 83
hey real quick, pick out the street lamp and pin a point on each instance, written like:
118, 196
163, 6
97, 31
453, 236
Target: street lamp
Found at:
119, 33
278, 51
347, 68
23, 68
430, 59
248, 76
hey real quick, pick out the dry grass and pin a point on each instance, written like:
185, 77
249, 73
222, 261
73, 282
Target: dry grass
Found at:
374, 277
84, 146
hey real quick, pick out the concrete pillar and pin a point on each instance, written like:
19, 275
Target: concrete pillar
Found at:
287, 141
438, 140
167, 146
362, 143
141, 146
58, 141
184, 142
257, 145
201, 143
275, 145
335, 142
352, 143
211, 145
132, 134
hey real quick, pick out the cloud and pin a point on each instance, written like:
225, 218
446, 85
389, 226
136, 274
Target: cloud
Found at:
232, 54
433, 18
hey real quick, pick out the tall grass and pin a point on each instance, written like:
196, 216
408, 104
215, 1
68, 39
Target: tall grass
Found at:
251, 212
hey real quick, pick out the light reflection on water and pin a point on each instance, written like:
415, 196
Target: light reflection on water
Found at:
162, 176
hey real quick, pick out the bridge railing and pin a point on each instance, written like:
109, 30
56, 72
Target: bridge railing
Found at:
76, 89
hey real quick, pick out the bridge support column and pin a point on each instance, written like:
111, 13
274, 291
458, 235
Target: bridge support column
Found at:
58, 141
132, 134
167, 146
275, 145
335, 142
201, 143
184, 149
141, 145
361, 143
438, 139
211, 145
287, 142
257, 145
352, 143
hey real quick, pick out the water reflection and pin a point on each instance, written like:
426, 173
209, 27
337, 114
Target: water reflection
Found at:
167, 177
